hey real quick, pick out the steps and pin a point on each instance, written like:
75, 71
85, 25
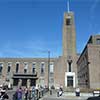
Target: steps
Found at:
69, 89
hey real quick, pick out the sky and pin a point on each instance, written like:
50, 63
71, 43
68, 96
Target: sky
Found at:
31, 28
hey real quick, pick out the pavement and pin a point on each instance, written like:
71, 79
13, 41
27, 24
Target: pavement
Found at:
67, 96
10, 94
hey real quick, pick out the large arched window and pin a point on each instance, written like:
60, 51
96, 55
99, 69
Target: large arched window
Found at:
69, 65
33, 67
9, 68
1, 67
70, 69
17, 67
25, 67
42, 68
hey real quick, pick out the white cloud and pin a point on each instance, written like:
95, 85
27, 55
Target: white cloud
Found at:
28, 49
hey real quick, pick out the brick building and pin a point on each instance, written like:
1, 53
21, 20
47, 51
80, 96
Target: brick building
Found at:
57, 71
89, 64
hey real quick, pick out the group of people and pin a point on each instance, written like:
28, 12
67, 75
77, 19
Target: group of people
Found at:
22, 93
18, 94
27, 93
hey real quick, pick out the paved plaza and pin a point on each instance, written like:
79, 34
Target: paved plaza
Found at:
65, 96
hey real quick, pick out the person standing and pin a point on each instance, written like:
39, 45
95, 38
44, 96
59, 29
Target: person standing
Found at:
29, 94
19, 94
15, 96
26, 93
33, 91
77, 91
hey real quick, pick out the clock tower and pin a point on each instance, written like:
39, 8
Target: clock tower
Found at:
69, 49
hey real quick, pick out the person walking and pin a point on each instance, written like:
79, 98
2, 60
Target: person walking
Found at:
19, 94
29, 94
15, 96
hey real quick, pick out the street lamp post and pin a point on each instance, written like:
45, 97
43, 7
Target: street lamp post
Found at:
48, 67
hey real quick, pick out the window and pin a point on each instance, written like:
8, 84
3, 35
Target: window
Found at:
68, 21
42, 68
1, 67
17, 67
69, 65
52, 80
25, 70
25, 67
70, 81
9, 68
33, 67
51, 68
98, 41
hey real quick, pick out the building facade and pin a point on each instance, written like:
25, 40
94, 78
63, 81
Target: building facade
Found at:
32, 71
26, 71
69, 50
68, 70
89, 64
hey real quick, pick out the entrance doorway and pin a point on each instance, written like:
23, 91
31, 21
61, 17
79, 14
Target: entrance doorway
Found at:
33, 83
69, 81
15, 82
24, 82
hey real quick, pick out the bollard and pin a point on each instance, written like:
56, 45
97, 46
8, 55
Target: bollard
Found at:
39, 94
77, 94
42, 93
50, 92
57, 93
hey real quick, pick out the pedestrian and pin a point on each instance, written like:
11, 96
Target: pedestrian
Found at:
50, 90
77, 91
37, 91
33, 91
15, 96
29, 94
19, 94
26, 93
61, 90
